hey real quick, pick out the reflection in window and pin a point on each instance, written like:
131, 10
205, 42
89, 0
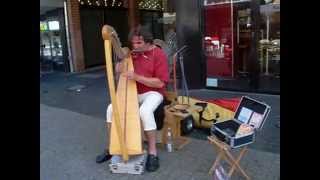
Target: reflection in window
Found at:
218, 39
269, 44
53, 25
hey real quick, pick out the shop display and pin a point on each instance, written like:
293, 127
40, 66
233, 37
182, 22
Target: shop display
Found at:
218, 40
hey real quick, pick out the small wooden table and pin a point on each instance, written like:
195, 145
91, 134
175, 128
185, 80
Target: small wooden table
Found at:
172, 119
225, 154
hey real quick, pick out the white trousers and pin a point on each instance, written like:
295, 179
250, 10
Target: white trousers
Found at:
148, 103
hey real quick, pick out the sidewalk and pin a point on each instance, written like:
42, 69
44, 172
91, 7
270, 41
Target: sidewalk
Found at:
59, 90
73, 133
69, 142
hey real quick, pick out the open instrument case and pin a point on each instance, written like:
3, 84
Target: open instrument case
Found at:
249, 111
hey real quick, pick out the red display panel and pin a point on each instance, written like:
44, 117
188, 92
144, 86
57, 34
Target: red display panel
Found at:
218, 40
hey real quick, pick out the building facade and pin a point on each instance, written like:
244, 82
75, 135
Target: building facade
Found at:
231, 44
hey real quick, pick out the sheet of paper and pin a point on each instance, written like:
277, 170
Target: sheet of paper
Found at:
245, 114
256, 120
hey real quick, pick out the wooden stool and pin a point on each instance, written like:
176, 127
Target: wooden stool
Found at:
225, 154
172, 119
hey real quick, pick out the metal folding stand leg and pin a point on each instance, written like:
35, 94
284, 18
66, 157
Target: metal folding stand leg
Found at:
224, 154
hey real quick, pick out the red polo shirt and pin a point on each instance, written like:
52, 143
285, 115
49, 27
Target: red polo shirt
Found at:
152, 63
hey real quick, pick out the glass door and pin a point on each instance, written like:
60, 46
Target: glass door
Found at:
45, 48
56, 45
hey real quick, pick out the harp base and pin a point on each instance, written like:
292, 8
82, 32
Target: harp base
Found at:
135, 165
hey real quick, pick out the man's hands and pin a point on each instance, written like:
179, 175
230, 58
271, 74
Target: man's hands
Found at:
130, 75
148, 81
119, 67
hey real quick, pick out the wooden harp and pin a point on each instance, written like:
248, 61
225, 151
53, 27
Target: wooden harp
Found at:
125, 135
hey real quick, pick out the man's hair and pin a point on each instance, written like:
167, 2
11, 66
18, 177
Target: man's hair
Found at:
141, 31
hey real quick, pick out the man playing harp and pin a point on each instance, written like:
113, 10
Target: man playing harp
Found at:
151, 76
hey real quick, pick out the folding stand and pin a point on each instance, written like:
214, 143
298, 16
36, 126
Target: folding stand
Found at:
225, 154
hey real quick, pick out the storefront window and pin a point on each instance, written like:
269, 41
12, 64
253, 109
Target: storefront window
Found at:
45, 41
50, 43
231, 52
53, 25
51, 53
218, 39
269, 43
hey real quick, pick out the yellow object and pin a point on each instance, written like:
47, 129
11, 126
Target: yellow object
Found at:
210, 113
126, 138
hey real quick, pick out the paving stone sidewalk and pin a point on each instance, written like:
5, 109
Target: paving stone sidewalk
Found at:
69, 142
